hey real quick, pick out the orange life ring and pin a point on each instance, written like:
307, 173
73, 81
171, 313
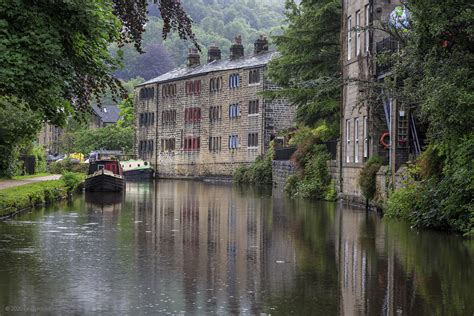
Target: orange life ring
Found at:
382, 139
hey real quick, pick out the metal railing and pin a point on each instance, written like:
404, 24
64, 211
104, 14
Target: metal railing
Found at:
285, 153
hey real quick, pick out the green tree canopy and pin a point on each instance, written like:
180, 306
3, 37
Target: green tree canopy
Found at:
111, 137
308, 68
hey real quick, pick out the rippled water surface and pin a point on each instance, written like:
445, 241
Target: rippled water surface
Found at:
181, 247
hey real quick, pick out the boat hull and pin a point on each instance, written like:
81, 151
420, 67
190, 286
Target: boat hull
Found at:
141, 174
102, 181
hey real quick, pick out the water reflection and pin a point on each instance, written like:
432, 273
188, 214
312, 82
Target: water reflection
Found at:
200, 248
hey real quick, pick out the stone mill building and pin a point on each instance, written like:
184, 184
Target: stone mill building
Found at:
207, 119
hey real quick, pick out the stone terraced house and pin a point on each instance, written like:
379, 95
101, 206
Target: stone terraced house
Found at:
207, 119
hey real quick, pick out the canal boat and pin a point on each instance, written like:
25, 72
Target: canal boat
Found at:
137, 169
105, 174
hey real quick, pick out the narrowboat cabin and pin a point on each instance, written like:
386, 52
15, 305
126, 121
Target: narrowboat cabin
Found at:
137, 169
105, 173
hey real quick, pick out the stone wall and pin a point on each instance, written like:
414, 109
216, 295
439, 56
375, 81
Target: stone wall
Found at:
281, 170
272, 116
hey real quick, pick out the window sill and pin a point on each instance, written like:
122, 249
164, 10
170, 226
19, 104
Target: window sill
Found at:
254, 114
254, 84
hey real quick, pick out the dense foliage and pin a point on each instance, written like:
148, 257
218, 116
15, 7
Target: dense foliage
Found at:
111, 137
215, 22
259, 172
67, 165
24, 196
314, 180
18, 125
308, 70
55, 59
432, 70
367, 178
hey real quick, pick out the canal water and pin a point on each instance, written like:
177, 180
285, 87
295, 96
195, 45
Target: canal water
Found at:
197, 248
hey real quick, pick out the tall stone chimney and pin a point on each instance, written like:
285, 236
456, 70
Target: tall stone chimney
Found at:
213, 53
237, 49
193, 58
260, 45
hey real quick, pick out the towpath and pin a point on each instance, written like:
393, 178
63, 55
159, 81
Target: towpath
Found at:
14, 183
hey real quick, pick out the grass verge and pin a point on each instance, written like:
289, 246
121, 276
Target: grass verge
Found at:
43, 174
25, 196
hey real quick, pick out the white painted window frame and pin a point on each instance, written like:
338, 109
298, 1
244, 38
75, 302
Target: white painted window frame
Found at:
349, 38
366, 136
367, 29
357, 37
356, 140
348, 140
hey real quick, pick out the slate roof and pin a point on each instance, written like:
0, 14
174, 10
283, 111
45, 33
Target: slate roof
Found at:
107, 113
217, 65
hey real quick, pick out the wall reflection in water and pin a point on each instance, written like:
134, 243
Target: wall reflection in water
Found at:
196, 247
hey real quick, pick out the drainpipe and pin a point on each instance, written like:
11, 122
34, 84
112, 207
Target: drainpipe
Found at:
263, 113
156, 131
341, 119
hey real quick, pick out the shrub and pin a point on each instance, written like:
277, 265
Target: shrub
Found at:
315, 182
331, 193
403, 201
40, 159
305, 150
367, 178
430, 162
67, 165
291, 186
300, 135
260, 171
440, 201
71, 180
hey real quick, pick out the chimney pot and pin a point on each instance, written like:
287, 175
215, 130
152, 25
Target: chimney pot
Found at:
237, 49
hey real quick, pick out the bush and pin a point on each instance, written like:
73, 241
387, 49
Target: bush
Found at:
260, 171
430, 162
291, 186
40, 159
331, 193
402, 202
305, 150
315, 182
67, 165
367, 178
71, 180
440, 201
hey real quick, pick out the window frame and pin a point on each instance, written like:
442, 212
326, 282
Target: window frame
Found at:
357, 35
348, 140
349, 38
356, 140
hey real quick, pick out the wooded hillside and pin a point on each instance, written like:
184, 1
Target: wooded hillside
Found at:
216, 22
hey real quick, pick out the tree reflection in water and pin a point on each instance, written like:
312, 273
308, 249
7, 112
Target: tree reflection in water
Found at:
173, 246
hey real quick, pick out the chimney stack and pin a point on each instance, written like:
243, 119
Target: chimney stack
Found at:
260, 45
237, 49
213, 53
193, 58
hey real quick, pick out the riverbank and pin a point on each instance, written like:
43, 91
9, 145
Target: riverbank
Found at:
18, 198
22, 180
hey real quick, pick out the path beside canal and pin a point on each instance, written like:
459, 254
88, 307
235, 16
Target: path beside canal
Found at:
4, 184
